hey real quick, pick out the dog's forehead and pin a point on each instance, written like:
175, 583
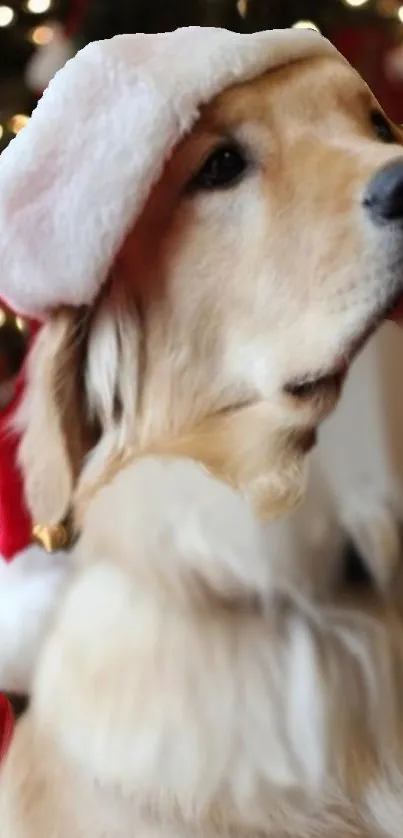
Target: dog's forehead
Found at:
317, 80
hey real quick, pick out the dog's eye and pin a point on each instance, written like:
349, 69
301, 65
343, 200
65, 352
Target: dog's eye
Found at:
382, 127
223, 168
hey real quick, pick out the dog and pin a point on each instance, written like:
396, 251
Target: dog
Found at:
189, 685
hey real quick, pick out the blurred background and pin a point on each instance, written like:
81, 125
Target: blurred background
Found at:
37, 37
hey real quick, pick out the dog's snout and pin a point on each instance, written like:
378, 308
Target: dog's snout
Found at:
384, 195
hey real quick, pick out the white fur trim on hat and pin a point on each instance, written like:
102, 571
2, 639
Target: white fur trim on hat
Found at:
74, 180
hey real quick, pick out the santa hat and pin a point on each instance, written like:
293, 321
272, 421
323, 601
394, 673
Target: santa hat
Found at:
76, 178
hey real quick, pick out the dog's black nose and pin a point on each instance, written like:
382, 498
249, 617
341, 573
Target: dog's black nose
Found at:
384, 196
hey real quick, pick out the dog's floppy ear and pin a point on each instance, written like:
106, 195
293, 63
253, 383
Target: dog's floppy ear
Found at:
51, 419
82, 388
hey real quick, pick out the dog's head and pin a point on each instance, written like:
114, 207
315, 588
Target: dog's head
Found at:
269, 250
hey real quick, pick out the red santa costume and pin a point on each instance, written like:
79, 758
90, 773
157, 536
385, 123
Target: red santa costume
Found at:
29, 577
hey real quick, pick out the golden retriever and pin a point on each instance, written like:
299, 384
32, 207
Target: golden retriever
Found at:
188, 686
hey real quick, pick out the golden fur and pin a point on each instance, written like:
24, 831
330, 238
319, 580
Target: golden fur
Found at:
185, 689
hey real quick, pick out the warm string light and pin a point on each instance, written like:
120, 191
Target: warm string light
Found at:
242, 7
387, 8
20, 324
306, 24
38, 7
356, 3
7, 316
17, 122
41, 35
7, 16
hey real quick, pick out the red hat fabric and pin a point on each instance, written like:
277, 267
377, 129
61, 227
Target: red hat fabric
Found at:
15, 521
7, 723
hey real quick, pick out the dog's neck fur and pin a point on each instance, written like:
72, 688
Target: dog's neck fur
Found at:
249, 448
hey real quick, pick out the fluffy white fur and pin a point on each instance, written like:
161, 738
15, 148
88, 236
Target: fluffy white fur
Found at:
304, 548
30, 588
182, 724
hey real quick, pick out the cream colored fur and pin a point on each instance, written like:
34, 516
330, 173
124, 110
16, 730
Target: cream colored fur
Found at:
191, 684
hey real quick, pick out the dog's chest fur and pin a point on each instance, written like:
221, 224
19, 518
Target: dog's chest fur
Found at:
180, 690
162, 679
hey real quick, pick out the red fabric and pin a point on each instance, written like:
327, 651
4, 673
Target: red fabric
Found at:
15, 524
367, 47
76, 17
15, 521
7, 723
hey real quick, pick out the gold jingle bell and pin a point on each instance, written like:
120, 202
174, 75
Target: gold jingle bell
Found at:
51, 539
